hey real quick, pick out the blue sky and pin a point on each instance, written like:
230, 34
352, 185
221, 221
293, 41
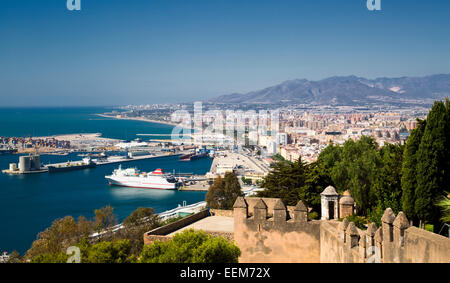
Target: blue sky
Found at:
116, 52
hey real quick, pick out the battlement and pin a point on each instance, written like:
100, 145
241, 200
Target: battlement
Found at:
269, 211
394, 241
268, 231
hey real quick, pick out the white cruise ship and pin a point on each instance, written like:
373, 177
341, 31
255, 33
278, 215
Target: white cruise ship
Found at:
131, 177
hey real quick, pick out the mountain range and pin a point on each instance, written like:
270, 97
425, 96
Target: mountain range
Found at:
347, 90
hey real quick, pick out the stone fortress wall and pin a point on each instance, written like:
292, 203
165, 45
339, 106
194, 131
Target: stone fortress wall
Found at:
275, 235
267, 231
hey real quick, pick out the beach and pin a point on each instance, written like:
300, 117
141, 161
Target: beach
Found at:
139, 119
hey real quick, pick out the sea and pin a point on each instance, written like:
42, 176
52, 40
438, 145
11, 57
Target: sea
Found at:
30, 203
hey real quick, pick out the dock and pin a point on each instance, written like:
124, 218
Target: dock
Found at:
108, 160
120, 159
17, 172
117, 159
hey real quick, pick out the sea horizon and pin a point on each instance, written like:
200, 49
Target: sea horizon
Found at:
51, 121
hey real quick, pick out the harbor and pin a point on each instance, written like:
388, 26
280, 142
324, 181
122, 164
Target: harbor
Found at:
31, 164
48, 196
79, 192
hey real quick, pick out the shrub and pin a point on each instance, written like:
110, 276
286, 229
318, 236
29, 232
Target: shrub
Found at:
191, 247
358, 220
313, 215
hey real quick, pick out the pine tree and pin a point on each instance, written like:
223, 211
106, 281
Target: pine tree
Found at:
215, 193
409, 172
232, 190
431, 163
285, 181
447, 157
223, 192
388, 187
357, 171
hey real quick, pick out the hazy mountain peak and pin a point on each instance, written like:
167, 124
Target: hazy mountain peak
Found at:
347, 90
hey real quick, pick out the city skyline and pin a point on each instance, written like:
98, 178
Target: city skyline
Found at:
140, 52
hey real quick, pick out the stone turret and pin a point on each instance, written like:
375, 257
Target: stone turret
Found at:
300, 212
346, 205
400, 225
240, 209
352, 235
362, 245
379, 241
370, 234
342, 228
387, 221
260, 211
329, 201
279, 211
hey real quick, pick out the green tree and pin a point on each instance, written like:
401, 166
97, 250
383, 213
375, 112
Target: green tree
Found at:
107, 252
50, 258
294, 181
246, 181
409, 170
142, 220
444, 205
285, 181
388, 188
330, 156
101, 252
216, 250
191, 247
15, 257
372, 174
355, 167
447, 145
63, 232
317, 179
67, 232
223, 192
105, 218
431, 163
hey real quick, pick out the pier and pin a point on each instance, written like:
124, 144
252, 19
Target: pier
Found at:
120, 159
25, 168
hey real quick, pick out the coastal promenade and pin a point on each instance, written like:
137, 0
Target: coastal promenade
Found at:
120, 117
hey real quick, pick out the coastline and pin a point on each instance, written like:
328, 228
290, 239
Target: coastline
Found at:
139, 119
77, 140
147, 120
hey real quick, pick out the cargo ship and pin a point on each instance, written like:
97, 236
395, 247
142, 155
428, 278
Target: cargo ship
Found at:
194, 155
186, 157
198, 156
132, 177
86, 163
8, 151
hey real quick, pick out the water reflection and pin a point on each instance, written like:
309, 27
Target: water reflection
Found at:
127, 193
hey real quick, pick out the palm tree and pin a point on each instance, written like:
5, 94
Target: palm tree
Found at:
444, 204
